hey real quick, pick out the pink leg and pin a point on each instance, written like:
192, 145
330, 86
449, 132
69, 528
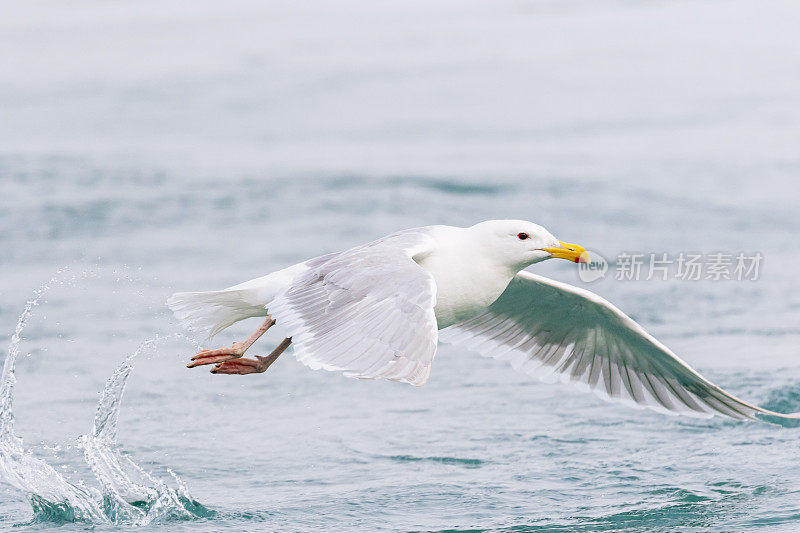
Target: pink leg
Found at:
251, 366
209, 357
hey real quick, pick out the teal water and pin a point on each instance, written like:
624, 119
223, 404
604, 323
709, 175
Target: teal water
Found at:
135, 162
479, 447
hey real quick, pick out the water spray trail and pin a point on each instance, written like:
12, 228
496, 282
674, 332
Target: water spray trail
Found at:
121, 500
114, 470
50, 492
8, 377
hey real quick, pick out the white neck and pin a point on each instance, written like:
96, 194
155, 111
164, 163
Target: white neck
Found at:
467, 280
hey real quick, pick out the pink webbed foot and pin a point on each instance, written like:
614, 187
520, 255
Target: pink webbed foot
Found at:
210, 357
220, 355
242, 366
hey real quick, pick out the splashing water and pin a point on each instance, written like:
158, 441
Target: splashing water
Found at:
127, 494
132, 495
51, 494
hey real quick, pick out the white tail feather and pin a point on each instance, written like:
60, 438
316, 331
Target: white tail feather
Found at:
214, 311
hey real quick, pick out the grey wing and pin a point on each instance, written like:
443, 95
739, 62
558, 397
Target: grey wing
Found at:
367, 311
556, 331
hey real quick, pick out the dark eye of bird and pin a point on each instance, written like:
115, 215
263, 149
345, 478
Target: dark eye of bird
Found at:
523, 236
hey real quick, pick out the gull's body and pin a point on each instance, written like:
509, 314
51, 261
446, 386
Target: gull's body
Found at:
378, 311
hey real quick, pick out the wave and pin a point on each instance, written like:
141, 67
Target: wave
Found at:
127, 494
458, 461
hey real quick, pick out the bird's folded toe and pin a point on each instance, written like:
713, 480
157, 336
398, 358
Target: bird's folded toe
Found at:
231, 351
210, 359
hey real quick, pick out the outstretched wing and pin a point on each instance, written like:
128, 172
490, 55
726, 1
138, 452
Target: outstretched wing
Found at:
556, 331
367, 311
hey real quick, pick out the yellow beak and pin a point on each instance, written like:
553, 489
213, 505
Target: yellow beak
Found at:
571, 252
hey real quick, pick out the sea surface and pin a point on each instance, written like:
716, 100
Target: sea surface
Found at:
154, 147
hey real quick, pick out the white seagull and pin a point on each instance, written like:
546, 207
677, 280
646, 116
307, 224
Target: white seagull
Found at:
378, 311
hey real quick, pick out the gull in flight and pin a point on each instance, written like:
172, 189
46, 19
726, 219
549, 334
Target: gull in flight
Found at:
378, 311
